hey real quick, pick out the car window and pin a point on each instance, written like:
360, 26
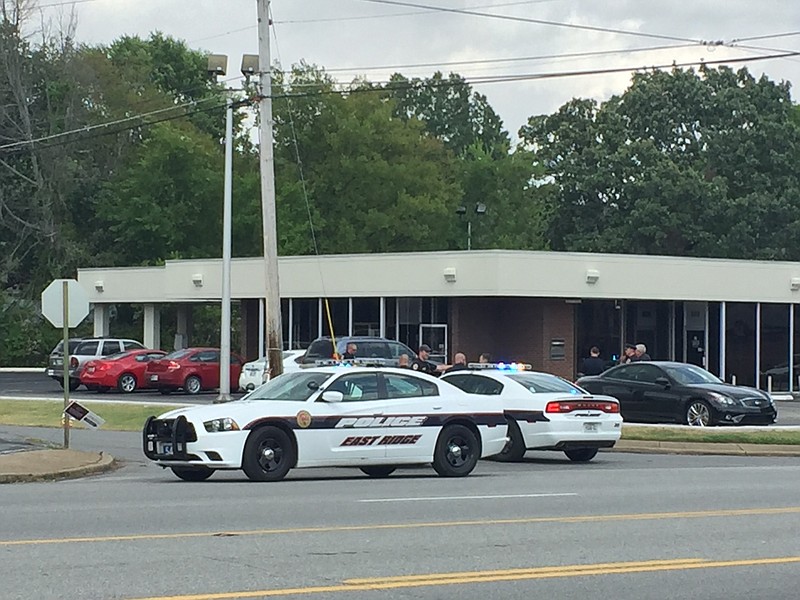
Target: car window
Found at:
87, 348
372, 350
540, 383
407, 386
206, 356
319, 349
118, 356
476, 384
110, 347
641, 373
131, 345
235, 360
149, 356
358, 387
396, 349
289, 387
624, 373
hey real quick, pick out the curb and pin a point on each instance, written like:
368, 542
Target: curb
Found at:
711, 448
104, 462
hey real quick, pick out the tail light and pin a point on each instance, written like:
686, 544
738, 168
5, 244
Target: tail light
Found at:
102, 366
73, 362
172, 365
568, 406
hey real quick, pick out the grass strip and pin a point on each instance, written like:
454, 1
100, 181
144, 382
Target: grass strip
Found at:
719, 435
131, 417
48, 413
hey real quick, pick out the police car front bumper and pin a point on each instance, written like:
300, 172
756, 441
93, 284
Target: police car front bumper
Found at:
181, 443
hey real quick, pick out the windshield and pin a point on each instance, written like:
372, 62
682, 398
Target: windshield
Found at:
689, 374
290, 387
539, 383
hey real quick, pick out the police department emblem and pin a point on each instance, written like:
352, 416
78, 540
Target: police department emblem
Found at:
303, 419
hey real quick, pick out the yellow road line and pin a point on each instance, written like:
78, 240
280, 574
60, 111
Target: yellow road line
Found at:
398, 526
441, 579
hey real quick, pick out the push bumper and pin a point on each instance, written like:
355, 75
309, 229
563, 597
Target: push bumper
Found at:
175, 442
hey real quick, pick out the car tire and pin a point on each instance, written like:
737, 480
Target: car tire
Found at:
192, 473
126, 383
192, 385
581, 454
378, 471
457, 451
268, 454
699, 414
515, 449
74, 384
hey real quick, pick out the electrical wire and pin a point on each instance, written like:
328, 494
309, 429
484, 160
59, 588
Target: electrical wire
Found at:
576, 26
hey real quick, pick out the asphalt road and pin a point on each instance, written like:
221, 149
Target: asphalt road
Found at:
624, 527
36, 385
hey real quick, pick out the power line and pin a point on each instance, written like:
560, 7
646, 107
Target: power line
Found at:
402, 14
546, 22
764, 37
586, 54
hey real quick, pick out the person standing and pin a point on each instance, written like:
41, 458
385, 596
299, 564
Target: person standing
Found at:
629, 355
641, 353
593, 364
422, 364
459, 363
350, 351
485, 358
403, 362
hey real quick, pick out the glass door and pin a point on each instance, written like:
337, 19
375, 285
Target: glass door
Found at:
436, 337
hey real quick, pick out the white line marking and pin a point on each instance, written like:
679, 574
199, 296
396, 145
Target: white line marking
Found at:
498, 497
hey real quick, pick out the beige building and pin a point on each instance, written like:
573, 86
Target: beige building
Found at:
737, 318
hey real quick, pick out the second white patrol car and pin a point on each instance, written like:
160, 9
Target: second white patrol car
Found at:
545, 412
375, 419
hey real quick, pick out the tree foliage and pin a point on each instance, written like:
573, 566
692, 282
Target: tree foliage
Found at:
682, 163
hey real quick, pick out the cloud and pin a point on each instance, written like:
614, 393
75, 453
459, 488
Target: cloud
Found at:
354, 34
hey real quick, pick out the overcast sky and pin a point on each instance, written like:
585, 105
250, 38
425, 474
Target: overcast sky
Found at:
352, 37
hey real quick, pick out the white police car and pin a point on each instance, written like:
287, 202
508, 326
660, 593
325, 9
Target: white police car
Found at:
544, 412
375, 419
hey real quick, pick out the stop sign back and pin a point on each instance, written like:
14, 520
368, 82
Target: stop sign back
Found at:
53, 303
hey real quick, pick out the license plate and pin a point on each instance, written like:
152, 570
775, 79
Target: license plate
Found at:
164, 448
153, 377
51, 372
591, 426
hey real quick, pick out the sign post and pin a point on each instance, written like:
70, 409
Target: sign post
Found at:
65, 304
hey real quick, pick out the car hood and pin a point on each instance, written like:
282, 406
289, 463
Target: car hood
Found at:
732, 391
239, 409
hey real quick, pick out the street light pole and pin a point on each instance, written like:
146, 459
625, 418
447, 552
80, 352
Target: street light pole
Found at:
225, 328
269, 221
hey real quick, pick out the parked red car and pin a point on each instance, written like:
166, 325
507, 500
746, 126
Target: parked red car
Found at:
193, 369
124, 371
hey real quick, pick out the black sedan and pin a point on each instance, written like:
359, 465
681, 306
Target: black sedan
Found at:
676, 392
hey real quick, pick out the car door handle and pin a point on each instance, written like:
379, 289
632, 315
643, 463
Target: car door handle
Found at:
437, 408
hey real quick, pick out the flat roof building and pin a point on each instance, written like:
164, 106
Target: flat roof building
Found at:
737, 318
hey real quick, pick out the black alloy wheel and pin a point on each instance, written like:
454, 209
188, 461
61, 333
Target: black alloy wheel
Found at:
378, 471
698, 414
193, 473
126, 383
581, 454
457, 451
268, 454
515, 449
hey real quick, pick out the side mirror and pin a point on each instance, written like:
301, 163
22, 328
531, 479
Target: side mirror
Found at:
332, 396
663, 382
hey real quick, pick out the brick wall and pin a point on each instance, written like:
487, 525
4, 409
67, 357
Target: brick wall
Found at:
517, 329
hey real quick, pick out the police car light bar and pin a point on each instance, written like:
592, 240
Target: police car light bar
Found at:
501, 366
352, 362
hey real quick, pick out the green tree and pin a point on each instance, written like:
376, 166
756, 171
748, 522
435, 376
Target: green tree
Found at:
682, 163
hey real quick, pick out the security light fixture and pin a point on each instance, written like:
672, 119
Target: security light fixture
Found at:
197, 279
592, 275
217, 65
795, 283
450, 274
99, 285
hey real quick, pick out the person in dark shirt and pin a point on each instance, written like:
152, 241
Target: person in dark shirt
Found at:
459, 363
350, 351
593, 365
422, 364
641, 353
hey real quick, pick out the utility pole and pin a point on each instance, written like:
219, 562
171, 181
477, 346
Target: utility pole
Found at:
225, 329
274, 332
